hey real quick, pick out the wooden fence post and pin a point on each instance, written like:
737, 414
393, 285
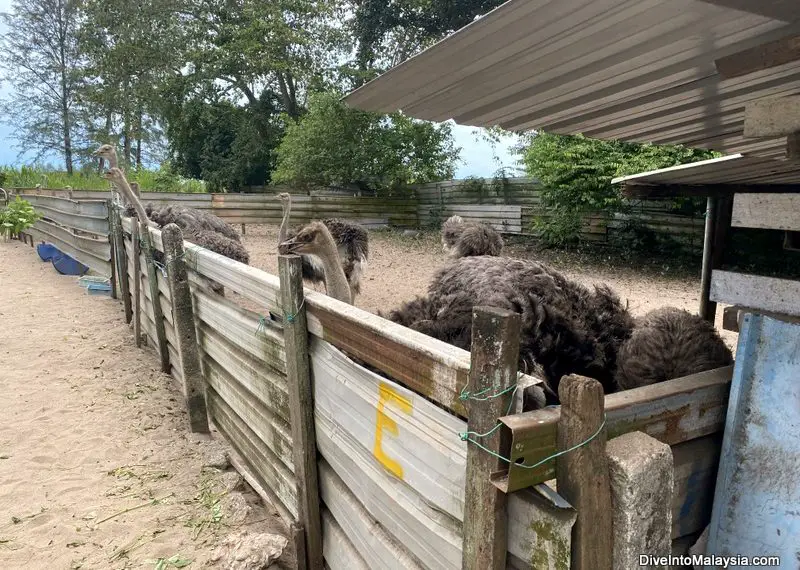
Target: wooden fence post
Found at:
582, 474
113, 242
155, 296
122, 260
301, 406
137, 284
183, 320
493, 371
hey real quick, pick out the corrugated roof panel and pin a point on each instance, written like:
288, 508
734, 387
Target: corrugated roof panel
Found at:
640, 70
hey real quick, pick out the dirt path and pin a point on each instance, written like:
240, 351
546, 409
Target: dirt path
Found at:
97, 468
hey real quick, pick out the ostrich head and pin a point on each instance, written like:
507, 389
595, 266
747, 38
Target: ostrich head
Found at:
451, 229
108, 153
312, 239
284, 197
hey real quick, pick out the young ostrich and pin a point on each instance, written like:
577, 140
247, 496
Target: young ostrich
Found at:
468, 239
566, 327
669, 343
350, 240
316, 239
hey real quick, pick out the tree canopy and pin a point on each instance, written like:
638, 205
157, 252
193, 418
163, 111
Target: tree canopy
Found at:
336, 145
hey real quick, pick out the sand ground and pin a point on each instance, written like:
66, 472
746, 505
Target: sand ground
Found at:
97, 467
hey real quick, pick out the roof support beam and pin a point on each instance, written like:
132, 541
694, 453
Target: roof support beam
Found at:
772, 54
773, 117
704, 191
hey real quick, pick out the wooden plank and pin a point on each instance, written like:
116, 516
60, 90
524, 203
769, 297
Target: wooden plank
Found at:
718, 222
793, 146
183, 322
582, 473
262, 340
493, 372
774, 117
539, 530
259, 380
694, 481
271, 429
267, 468
301, 405
761, 293
732, 316
340, 554
761, 57
370, 540
769, 211
395, 451
672, 412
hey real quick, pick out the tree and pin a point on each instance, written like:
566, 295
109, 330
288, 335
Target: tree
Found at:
336, 145
228, 146
42, 62
576, 172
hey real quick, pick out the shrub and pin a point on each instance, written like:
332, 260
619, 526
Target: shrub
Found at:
18, 216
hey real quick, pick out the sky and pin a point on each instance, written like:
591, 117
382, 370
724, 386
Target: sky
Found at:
478, 157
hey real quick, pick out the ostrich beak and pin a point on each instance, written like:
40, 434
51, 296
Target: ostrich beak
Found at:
289, 246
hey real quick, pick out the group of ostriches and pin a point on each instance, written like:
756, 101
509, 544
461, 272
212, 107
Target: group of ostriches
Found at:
566, 328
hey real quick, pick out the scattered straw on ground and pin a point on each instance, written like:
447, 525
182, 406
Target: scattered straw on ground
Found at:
97, 467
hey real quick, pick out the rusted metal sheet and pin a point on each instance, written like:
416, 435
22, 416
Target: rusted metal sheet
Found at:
757, 502
84, 215
672, 412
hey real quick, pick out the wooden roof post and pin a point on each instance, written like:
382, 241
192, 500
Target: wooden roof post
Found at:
137, 284
194, 390
118, 245
582, 474
301, 406
489, 395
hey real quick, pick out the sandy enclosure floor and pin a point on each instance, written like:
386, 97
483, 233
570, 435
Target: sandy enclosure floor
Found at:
97, 467
400, 268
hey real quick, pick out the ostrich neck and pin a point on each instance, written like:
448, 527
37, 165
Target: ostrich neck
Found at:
285, 222
124, 187
335, 280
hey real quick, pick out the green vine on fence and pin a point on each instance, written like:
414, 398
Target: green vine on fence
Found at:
17, 217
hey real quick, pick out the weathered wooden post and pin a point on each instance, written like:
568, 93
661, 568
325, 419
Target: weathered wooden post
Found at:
137, 284
582, 474
155, 297
114, 245
183, 320
122, 259
301, 406
493, 375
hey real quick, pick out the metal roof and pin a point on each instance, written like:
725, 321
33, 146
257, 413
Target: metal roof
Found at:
736, 171
639, 70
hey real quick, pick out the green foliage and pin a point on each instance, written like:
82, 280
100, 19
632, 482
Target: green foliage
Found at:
18, 216
161, 180
335, 145
228, 146
576, 173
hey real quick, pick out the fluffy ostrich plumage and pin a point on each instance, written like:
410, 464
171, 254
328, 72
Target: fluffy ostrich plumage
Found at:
200, 228
669, 343
566, 328
469, 239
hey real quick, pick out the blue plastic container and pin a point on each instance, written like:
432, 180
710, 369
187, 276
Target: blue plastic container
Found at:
66, 265
46, 251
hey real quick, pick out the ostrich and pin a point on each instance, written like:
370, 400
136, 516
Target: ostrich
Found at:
669, 343
566, 327
108, 153
192, 231
351, 241
316, 239
466, 239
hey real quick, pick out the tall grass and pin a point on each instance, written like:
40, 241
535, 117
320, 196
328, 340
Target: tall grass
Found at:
161, 180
